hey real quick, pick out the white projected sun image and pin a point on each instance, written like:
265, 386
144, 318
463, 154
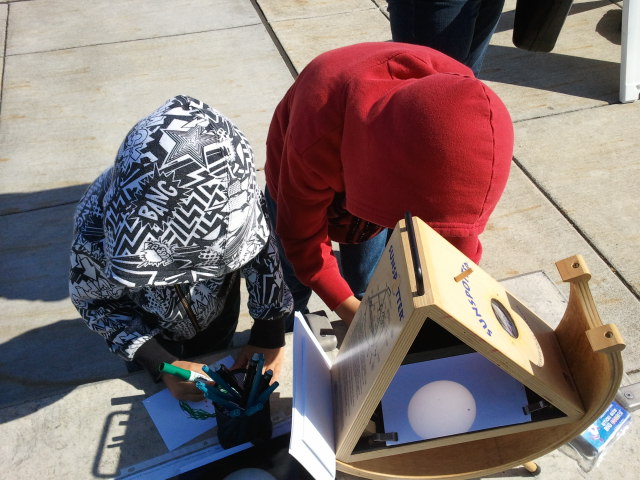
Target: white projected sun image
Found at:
441, 408
451, 396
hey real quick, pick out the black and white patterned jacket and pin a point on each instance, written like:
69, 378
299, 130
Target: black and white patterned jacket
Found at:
161, 235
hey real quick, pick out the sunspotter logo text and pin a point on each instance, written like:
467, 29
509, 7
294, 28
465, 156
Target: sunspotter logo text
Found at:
392, 258
472, 303
394, 274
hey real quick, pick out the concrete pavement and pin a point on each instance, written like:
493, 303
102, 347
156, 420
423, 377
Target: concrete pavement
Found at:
76, 75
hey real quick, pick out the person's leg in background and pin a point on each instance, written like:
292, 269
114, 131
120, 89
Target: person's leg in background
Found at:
486, 23
301, 293
358, 261
461, 29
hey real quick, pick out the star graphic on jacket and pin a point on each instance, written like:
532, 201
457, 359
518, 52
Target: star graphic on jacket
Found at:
191, 143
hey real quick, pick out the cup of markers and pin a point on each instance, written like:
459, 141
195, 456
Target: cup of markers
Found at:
240, 398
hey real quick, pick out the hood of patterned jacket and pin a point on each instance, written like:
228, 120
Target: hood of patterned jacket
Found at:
181, 203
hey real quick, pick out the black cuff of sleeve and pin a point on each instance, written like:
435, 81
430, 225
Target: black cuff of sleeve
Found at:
150, 355
268, 333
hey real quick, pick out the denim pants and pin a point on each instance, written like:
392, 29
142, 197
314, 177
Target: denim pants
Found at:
357, 263
461, 29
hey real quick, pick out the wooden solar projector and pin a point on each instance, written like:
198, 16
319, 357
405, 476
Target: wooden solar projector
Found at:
425, 289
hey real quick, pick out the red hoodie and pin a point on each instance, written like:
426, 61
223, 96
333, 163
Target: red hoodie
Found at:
395, 128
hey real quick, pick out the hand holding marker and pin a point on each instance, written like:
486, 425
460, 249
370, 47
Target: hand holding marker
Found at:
182, 374
245, 399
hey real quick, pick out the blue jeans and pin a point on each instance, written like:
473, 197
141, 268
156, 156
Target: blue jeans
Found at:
357, 263
461, 29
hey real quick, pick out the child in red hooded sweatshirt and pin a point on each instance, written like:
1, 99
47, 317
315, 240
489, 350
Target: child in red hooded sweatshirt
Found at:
366, 133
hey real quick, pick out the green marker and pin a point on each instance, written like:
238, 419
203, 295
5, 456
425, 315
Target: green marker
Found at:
186, 375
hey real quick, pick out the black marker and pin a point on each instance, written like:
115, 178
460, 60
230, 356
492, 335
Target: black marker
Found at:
229, 377
221, 384
252, 368
257, 381
266, 380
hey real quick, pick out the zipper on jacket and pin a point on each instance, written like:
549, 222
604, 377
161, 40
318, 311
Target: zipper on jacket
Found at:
187, 307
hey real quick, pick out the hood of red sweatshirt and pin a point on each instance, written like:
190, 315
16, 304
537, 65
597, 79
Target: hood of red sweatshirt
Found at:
429, 138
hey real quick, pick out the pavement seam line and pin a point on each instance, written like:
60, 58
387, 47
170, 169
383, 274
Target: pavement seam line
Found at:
132, 40
4, 53
274, 37
38, 209
582, 234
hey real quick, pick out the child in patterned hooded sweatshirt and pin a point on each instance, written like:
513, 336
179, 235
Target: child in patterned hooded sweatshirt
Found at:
162, 238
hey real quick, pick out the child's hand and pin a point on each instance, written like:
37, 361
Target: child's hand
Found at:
273, 359
181, 389
347, 309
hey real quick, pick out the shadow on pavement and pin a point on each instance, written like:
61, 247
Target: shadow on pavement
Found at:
35, 244
54, 360
555, 72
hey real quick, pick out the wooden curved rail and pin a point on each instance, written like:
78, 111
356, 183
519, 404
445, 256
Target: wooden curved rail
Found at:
592, 351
